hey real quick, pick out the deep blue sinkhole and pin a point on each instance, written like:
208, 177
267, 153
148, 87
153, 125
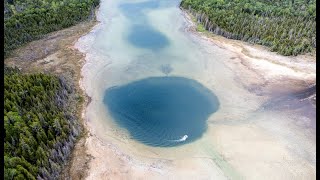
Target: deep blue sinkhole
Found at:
162, 111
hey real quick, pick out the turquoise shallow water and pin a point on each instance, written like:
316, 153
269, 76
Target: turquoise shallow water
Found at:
157, 111
141, 33
146, 37
162, 111
164, 114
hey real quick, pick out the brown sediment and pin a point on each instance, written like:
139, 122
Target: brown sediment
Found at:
55, 54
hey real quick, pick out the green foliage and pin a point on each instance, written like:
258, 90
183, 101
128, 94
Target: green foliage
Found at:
27, 20
39, 129
287, 27
200, 28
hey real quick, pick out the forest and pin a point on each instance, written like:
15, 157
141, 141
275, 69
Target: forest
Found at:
40, 120
28, 20
285, 26
40, 127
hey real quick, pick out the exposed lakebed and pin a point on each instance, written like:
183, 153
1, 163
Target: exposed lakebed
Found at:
158, 111
167, 103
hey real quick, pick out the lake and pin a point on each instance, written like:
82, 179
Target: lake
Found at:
162, 111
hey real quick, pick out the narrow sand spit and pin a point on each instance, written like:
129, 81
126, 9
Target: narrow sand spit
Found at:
243, 139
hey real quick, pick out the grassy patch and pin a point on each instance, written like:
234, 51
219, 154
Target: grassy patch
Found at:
200, 28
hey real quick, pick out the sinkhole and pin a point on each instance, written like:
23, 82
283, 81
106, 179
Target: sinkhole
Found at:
162, 111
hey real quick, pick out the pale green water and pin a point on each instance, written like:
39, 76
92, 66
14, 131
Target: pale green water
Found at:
139, 39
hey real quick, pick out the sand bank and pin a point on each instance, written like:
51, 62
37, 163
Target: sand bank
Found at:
243, 140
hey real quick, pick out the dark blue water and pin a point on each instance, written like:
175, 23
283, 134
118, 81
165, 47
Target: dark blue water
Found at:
160, 111
141, 34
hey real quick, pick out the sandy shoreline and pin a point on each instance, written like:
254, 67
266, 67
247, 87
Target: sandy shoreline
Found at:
55, 54
259, 71
267, 65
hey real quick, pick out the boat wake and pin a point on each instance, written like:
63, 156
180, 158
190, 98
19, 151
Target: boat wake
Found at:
181, 139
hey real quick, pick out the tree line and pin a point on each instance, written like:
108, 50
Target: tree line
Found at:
27, 20
39, 111
286, 26
40, 127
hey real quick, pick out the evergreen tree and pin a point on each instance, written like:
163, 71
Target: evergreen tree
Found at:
31, 132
